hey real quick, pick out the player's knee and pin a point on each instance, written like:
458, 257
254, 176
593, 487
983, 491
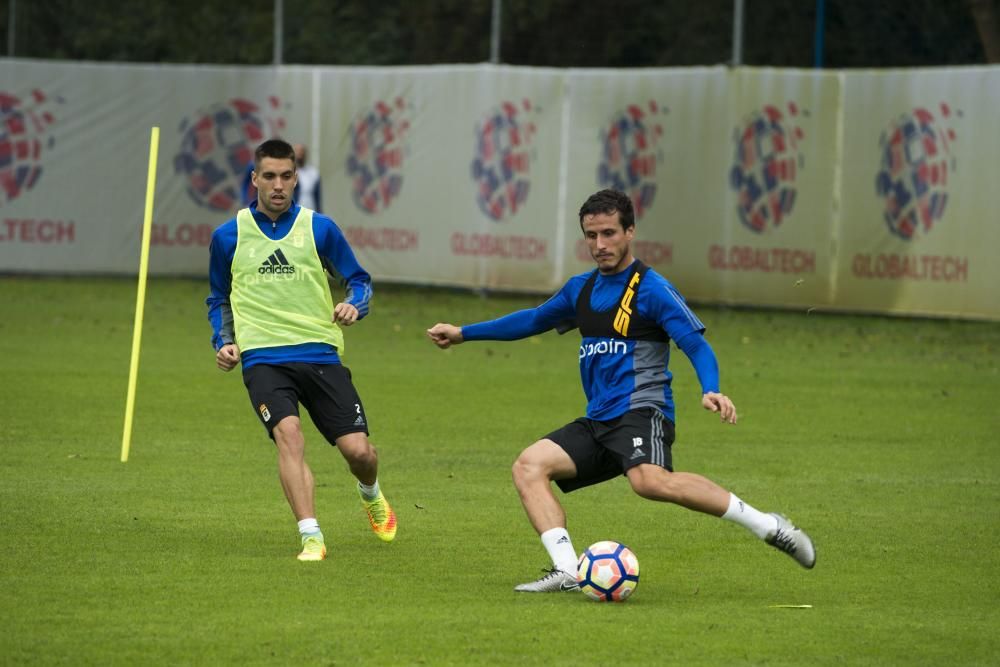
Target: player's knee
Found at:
527, 468
357, 449
367, 456
288, 434
519, 471
652, 482
644, 489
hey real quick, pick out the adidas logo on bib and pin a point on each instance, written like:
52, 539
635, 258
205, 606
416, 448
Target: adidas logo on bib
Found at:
276, 263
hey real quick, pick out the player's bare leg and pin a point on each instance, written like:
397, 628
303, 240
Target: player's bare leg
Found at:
361, 456
533, 473
681, 488
298, 484
703, 495
296, 477
362, 459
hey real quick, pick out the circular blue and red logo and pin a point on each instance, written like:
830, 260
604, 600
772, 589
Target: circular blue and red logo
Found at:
378, 149
913, 174
765, 166
217, 146
25, 133
502, 162
630, 153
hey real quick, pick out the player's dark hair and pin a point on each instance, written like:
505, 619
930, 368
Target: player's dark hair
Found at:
609, 202
273, 148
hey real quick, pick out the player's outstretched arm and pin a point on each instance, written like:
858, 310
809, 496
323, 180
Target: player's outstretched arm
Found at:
445, 335
227, 357
720, 403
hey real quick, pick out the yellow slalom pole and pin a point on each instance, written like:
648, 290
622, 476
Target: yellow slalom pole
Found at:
140, 297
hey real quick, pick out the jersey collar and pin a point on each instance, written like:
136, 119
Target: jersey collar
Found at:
286, 218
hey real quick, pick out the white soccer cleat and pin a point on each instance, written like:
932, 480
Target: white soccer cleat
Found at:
554, 581
788, 538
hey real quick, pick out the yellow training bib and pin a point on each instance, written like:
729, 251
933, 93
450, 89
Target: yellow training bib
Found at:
280, 294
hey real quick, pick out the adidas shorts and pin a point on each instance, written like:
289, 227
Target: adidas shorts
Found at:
603, 450
325, 390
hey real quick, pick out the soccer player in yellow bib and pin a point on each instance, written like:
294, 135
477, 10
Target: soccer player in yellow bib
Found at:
271, 309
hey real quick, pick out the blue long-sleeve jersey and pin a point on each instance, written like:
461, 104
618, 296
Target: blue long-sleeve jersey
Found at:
618, 374
334, 252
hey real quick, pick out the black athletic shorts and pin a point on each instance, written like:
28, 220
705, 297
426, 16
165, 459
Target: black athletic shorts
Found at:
325, 390
603, 450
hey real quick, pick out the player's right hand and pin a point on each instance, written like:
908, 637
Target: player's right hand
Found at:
720, 403
445, 335
227, 357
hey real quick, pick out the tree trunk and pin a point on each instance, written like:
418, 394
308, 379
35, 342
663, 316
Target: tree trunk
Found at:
984, 13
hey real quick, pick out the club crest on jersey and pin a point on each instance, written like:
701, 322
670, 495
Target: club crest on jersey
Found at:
624, 314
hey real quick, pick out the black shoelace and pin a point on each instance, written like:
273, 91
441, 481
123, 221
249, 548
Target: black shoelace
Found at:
784, 541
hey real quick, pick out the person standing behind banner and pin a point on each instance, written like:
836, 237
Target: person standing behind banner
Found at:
248, 191
307, 190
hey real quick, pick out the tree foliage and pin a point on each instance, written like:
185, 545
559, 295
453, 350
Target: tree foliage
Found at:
544, 33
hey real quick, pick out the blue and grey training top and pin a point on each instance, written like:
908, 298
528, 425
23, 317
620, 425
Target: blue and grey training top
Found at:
625, 346
334, 252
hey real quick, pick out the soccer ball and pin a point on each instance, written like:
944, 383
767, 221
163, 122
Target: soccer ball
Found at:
608, 571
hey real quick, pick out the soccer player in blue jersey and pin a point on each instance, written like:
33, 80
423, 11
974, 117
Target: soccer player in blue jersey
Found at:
627, 315
271, 309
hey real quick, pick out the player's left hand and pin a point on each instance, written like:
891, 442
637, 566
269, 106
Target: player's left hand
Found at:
720, 403
345, 314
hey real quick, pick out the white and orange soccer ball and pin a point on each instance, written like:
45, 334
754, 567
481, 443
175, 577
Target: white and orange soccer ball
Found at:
608, 571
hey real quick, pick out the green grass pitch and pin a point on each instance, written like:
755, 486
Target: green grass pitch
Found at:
878, 435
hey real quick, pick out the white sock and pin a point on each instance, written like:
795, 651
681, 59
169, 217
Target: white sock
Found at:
556, 541
309, 526
369, 492
755, 521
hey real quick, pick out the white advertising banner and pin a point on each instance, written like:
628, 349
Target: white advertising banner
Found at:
919, 230
779, 182
867, 191
206, 153
72, 183
448, 175
77, 140
658, 135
